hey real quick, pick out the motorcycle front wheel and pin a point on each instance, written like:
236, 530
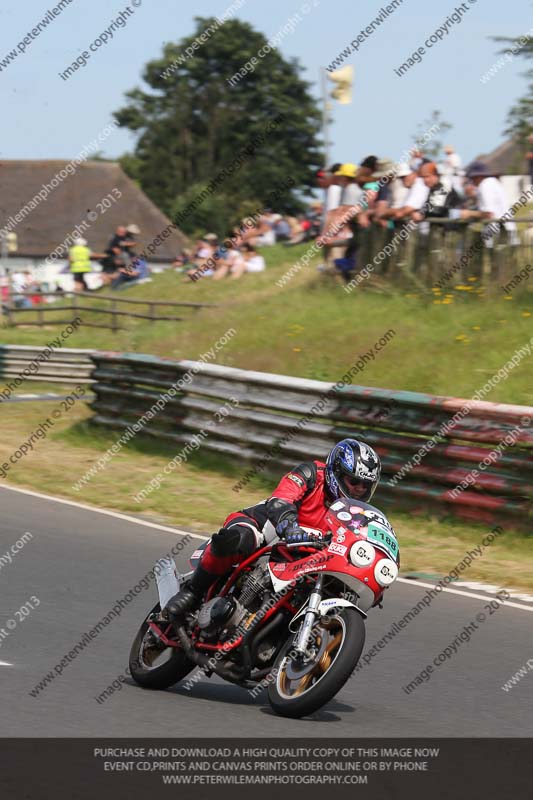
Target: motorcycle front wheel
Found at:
302, 685
154, 666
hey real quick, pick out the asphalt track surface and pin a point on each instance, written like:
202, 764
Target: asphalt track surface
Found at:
80, 561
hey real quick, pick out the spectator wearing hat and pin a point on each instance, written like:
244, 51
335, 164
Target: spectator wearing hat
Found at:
79, 257
337, 231
492, 202
417, 193
133, 230
351, 192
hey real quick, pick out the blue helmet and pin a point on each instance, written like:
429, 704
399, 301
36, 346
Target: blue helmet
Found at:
353, 470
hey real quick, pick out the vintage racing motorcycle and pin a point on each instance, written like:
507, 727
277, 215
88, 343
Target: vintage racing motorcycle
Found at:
290, 617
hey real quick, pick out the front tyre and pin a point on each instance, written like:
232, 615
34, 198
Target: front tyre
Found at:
302, 686
154, 666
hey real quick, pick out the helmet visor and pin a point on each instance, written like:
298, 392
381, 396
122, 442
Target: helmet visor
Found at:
357, 488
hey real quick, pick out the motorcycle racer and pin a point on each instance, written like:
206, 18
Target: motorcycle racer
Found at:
302, 498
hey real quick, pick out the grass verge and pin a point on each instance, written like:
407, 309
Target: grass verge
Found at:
199, 493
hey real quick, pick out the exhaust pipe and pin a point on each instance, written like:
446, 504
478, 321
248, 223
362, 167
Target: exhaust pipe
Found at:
206, 662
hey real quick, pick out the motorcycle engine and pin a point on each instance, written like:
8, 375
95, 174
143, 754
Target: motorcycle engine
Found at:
228, 612
221, 612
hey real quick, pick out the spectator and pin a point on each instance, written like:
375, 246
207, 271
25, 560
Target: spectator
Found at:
451, 171
282, 229
184, 260
204, 263
134, 272
441, 202
247, 259
79, 257
251, 261
416, 196
351, 192
492, 203
385, 173
267, 236
333, 189
297, 232
133, 231
117, 254
20, 285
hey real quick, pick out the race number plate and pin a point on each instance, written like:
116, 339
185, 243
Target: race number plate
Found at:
383, 539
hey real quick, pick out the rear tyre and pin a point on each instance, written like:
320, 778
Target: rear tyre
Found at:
303, 686
154, 666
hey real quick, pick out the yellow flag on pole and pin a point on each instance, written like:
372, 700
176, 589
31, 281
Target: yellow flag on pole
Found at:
344, 80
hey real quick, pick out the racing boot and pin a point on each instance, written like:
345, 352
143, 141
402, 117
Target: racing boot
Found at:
190, 596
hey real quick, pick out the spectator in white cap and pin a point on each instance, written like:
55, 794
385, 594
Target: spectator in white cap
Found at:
416, 196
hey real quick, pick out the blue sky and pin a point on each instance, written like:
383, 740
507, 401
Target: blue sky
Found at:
46, 117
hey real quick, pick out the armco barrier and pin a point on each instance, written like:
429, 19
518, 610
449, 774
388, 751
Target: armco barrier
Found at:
275, 426
65, 365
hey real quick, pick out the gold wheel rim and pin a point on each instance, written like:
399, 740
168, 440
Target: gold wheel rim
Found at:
292, 687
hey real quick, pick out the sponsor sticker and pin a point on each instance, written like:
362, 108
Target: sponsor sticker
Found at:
337, 548
344, 516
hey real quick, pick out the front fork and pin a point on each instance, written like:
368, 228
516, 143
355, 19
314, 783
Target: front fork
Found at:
302, 641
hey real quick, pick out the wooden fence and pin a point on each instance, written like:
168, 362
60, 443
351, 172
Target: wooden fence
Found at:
66, 365
445, 254
119, 307
281, 420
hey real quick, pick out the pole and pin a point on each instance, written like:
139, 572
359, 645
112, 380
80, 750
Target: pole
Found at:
325, 120
4, 254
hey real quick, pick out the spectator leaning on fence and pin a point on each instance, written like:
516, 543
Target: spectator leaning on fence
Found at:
492, 202
337, 231
79, 257
384, 174
416, 196
441, 202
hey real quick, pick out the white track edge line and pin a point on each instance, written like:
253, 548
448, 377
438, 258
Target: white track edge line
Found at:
464, 594
110, 513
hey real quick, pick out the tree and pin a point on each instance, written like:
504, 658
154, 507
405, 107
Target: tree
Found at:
193, 124
519, 122
433, 148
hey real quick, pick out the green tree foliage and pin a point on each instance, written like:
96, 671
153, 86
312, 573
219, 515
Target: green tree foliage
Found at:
433, 148
519, 122
193, 123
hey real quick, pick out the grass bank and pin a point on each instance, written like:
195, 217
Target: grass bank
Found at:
199, 493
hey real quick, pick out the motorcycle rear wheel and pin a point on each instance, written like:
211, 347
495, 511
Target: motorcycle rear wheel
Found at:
301, 687
145, 654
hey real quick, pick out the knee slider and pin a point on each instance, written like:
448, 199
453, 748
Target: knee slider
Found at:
226, 541
236, 540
